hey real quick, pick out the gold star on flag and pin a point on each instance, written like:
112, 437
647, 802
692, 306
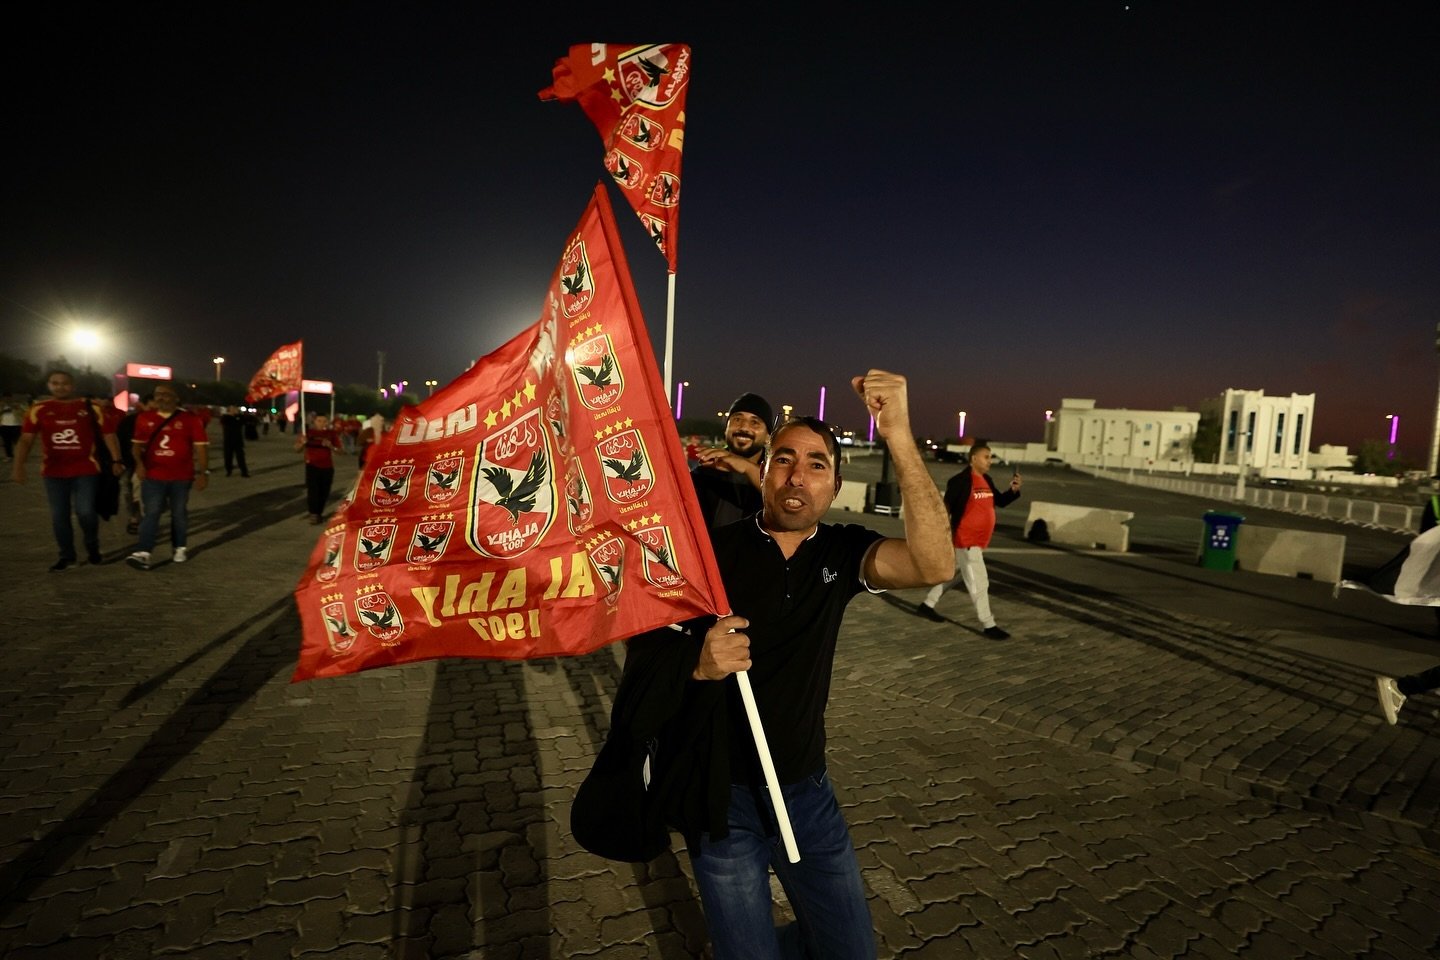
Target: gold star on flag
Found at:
599, 434
516, 401
629, 422
655, 518
505, 409
529, 390
490, 418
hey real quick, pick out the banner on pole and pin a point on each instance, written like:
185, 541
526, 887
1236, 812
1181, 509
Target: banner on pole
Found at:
537, 506
635, 96
280, 373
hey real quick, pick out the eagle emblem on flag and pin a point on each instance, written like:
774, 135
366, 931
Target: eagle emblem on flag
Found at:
391, 484
442, 480
660, 566
598, 378
429, 540
628, 473
513, 495
372, 545
579, 509
379, 615
608, 558
577, 286
337, 626
329, 566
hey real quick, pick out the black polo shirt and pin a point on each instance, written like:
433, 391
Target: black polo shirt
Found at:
795, 608
724, 496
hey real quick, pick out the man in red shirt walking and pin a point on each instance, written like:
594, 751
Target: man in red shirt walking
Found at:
172, 453
68, 427
971, 499
318, 444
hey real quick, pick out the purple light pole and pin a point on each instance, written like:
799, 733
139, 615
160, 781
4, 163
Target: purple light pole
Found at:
680, 396
821, 415
1394, 419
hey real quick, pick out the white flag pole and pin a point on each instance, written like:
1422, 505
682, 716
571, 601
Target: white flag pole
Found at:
768, 765
669, 330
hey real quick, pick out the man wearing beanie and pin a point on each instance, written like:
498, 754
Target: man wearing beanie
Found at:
727, 479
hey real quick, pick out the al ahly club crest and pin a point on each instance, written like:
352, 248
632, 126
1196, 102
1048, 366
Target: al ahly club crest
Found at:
642, 131
379, 615
578, 507
626, 170
608, 558
655, 75
372, 545
391, 485
577, 286
329, 567
598, 378
338, 631
428, 542
442, 480
513, 496
661, 568
628, 474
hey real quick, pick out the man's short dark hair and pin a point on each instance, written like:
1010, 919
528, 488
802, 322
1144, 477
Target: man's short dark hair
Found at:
979, 445
814, 424
63, 373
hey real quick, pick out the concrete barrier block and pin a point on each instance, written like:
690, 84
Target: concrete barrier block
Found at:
1075, 526
850, 497
1289, 553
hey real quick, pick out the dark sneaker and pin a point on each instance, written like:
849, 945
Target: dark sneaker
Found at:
928, 612
995, 633
95, 558
59, 565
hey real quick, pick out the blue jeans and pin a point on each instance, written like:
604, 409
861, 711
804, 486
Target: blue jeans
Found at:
824, 888
61, 491
154, 494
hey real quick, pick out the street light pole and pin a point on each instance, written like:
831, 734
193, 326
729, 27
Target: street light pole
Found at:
219, 362
680, 396
430, 386
960, 435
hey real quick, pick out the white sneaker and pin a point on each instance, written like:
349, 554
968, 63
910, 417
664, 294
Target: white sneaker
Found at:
140, 560
1391, 699
180, 555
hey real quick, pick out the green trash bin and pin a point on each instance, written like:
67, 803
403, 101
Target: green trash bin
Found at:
1221, 530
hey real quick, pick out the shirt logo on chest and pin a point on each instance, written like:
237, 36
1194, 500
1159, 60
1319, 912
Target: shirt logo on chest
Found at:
827, 576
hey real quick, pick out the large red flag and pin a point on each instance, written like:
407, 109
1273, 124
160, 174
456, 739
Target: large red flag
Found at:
635, 96
537, 506
280, 373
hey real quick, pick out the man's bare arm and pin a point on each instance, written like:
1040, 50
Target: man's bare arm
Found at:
925, 556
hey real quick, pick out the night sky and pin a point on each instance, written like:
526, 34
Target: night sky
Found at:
1015, 203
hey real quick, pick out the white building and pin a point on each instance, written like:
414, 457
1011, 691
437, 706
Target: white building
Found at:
1267, 434
1081, 433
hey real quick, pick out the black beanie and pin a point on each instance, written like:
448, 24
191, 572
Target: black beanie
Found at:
753, 403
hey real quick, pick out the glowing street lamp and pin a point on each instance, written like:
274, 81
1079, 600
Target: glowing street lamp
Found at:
961, 428
430, 386
821, 414
219, 362
85, 339
680, 396
1394, 419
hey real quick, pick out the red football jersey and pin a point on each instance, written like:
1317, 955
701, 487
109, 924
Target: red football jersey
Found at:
171, 456
67, 435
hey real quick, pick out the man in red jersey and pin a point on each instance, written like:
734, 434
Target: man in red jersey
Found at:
172, 454
971, 498
68, 427
318, 443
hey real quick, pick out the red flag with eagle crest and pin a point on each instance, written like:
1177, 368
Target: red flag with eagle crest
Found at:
537, 506
280, 373
635, 96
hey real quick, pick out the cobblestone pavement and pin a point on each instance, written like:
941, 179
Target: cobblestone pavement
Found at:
1150, 767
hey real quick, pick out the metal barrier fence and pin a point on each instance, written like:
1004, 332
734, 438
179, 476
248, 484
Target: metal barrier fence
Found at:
1399, 517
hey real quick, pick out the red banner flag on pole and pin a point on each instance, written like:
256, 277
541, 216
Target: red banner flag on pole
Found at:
537, 506
280, 373
635, 96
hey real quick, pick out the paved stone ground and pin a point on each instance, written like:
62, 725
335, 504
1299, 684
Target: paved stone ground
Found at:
1149, 768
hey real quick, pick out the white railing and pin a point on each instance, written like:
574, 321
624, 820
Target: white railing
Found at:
1399, 517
